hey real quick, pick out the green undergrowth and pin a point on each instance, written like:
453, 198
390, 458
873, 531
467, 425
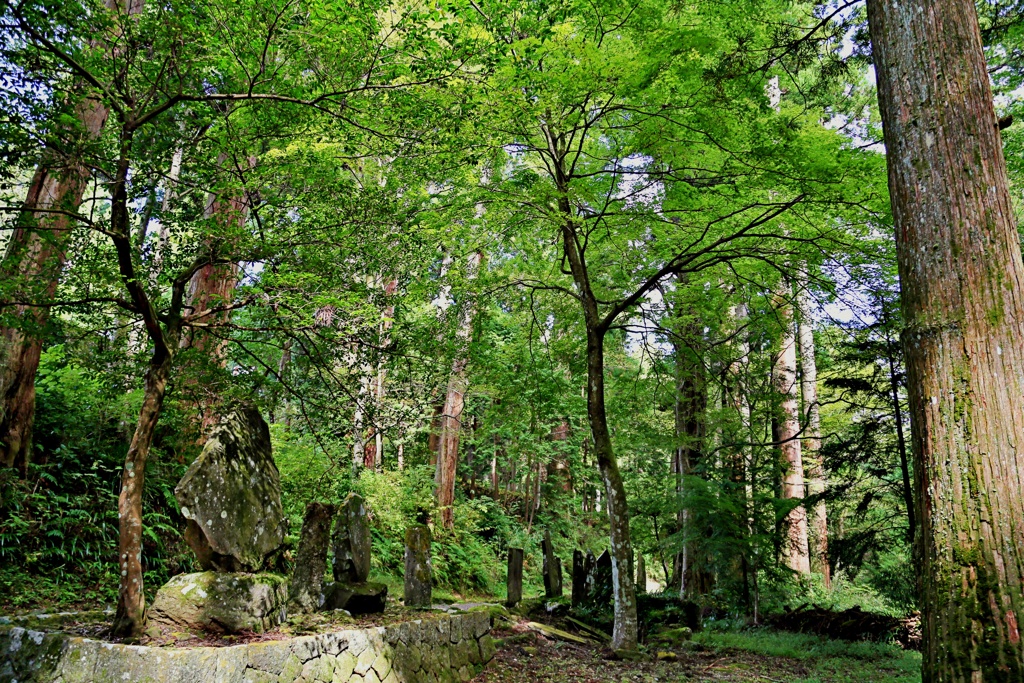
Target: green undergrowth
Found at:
822, 660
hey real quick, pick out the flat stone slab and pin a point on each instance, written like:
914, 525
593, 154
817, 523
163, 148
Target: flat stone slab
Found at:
435, 648
220, 602
231, 497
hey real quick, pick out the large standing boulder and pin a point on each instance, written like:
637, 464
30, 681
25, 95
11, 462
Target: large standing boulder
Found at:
351, 541
231, 497
306, 592
220, 602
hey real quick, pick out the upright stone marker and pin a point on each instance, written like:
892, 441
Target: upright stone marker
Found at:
351, 541
418, 572
231, 497
515, 577
306, 591
551, 569
351, 544
579, 578
641, 574
602, 593
589, 566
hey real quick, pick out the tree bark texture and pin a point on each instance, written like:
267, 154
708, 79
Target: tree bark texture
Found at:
36, 253
35, 256
454, 404
211, 290
624, 635
695, 577
131, 602
794, 527
961, 278
811, 453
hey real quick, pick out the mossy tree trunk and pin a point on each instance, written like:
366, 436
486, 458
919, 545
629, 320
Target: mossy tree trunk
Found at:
961, 278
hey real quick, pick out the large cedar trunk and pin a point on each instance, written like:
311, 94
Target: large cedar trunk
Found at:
211, 289
811, 455
794, 548
451, 414
35, 256
694, 574
36, 253
448, 442
961, 279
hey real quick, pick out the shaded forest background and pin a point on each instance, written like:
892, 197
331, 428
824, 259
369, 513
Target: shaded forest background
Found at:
354, 216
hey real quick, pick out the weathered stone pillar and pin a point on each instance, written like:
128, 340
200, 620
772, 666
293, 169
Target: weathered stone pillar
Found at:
351, 541
418, 572
641, 575
602, 592
306, 590
515, 577
351, 567
579, 578
552, 571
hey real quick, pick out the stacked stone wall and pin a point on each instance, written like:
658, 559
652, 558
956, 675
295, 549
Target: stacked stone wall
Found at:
434, 649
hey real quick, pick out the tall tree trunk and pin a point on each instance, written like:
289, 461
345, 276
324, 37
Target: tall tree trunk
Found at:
210, 290
734, 398
794, 546
35, 256
36, 253
451, 415
695, 577
624, 635
811, 455
164, 331
961, 280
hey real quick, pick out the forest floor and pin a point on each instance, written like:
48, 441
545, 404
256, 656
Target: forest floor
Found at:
754, 656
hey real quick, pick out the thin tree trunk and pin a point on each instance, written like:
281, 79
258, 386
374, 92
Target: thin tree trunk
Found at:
794, 548
962, 284
624, 635
891, 357
164, 332
131, 603
734, 398
811, 455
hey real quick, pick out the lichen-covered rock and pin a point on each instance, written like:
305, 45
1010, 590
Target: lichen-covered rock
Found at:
231, 497
418, 571
220, 602
357, 598
351, 541
306, 590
